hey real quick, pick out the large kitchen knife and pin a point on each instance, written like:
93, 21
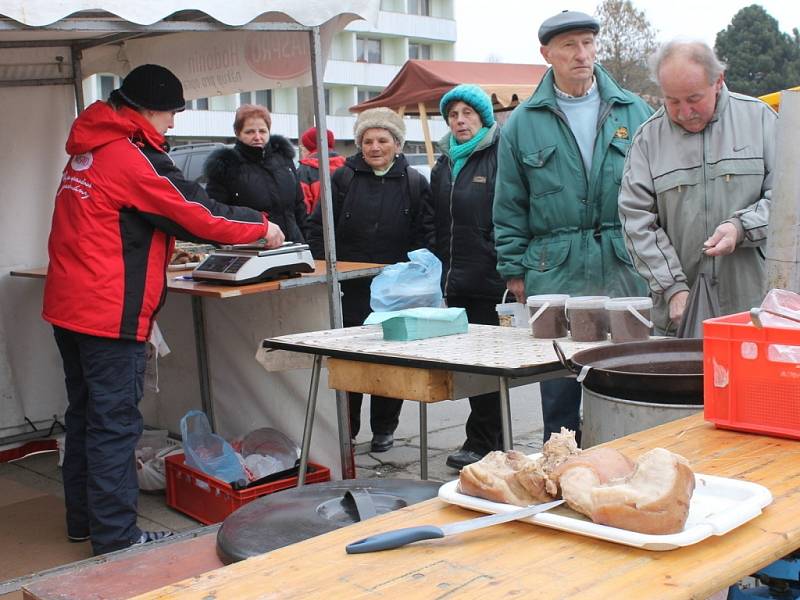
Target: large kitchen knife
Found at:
401, 537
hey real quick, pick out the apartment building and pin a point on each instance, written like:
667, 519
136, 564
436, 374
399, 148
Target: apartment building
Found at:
363, 59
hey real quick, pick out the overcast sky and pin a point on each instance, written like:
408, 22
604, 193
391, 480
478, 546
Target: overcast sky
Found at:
505, 30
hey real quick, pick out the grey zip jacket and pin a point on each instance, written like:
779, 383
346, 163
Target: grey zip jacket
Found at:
677, 187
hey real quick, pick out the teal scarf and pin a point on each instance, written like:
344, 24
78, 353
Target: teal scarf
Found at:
459, 153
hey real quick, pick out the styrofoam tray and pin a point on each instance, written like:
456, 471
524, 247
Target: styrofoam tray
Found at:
718, 505
182, 266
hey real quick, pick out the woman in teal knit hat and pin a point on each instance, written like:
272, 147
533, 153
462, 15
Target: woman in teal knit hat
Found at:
459, 230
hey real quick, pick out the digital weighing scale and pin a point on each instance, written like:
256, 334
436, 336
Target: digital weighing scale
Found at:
246, 263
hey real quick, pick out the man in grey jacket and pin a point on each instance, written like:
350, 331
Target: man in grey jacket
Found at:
697, 184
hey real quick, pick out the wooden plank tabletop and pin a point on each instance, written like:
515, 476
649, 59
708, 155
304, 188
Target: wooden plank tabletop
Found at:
526, 561
176, 283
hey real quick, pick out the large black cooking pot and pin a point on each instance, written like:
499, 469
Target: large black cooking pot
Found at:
668, 371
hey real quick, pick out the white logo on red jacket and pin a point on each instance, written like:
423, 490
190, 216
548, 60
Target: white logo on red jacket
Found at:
81, 162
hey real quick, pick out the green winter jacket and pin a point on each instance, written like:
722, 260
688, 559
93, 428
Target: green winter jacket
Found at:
557, 226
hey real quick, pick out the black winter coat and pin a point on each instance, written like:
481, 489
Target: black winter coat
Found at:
458, 224
375, 220
263, 179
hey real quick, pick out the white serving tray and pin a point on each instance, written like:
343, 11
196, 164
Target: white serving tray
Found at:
718, 505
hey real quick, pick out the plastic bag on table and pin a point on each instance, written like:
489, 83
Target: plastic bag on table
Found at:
409, 284
208, 452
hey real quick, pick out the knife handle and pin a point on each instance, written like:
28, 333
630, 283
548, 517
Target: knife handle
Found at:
394, 539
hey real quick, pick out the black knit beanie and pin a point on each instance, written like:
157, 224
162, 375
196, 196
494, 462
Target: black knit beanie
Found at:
152, 87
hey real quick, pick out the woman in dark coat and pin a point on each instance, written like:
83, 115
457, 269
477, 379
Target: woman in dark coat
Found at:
377, 212
459, 230
258, 172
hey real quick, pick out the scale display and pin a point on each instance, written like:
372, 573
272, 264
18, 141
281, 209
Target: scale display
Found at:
241, 264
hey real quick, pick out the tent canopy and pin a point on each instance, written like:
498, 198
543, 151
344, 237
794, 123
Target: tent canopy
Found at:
215, 48
426, 81
47, 47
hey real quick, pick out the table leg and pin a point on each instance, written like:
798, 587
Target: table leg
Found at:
423, 441
311, 409
345, 435
201, 350
505, 414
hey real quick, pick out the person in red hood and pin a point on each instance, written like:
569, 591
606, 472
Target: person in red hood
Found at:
308, 171
118, 208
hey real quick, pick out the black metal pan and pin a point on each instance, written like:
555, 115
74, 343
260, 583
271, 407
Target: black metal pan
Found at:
668, 371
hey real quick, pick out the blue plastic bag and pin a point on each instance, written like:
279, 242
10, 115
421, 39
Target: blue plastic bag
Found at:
208, 452
409, 284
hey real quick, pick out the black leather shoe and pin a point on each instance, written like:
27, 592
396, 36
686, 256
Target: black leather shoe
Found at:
381, 442
462, 458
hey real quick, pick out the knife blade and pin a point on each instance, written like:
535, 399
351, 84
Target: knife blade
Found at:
400, 537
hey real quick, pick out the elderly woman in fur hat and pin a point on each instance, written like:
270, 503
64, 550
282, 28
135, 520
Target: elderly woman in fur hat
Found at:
377, 210
459, 230
258, 172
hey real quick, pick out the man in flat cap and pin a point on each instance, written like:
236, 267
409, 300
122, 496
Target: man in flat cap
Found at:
560, 162
699, 177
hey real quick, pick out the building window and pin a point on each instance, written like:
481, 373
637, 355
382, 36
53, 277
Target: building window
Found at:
261, 97
107, 85
368, 50
197, 104
326, 92
364, 95
419, 51
419, 7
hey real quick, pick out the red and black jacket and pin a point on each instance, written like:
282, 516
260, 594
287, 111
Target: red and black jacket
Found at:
308, 174
120, 204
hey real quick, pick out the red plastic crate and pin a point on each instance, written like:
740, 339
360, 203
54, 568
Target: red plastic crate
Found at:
210, 500
746, 387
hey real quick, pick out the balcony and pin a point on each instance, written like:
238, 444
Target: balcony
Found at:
414, 26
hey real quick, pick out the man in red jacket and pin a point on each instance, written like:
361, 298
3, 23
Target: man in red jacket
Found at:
119, 206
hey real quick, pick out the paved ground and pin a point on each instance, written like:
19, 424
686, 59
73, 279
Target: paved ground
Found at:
445, 434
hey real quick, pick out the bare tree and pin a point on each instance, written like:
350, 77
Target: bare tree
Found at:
625, 41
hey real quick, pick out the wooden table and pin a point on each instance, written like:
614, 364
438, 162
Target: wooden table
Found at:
526, 561
484, 359
198, 290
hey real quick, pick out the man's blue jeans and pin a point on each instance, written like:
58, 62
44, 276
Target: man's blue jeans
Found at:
105, 382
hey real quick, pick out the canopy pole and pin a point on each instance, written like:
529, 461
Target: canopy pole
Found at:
77, 77
426, 132
331, 274
401, 111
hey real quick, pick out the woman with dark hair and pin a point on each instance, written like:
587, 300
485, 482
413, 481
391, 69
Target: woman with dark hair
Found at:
258, 172
377, 214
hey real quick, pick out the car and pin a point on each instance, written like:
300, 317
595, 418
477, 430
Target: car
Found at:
190, 159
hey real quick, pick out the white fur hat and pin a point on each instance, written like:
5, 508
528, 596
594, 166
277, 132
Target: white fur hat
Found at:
381, 118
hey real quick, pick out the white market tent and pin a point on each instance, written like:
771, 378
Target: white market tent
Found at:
46, 48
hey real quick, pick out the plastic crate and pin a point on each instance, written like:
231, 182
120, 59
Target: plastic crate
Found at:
748, 386
210, 500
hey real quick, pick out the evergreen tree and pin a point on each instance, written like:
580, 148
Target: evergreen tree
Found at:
760, 58
625, 42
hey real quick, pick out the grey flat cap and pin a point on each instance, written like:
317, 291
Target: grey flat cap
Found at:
567, 20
